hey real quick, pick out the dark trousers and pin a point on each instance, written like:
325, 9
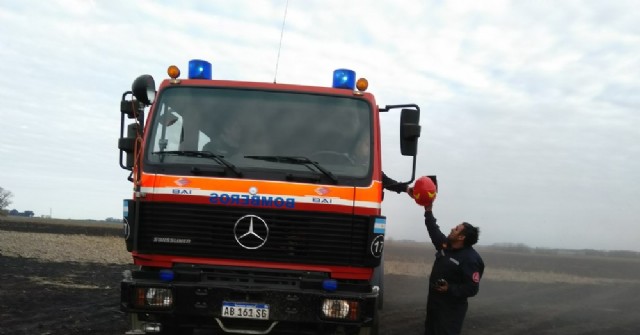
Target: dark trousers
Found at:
444, 317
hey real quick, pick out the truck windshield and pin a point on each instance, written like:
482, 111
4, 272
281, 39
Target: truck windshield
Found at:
248, 129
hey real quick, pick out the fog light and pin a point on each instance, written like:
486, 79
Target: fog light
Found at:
152, 327
153, 297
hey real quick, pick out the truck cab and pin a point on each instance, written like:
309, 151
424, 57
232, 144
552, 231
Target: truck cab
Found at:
256, 207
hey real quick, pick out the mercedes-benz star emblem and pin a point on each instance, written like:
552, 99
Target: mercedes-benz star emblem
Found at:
251, 231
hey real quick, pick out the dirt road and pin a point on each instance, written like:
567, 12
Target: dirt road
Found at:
522, 293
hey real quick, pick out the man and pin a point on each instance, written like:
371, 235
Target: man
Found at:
455, 276
361, 156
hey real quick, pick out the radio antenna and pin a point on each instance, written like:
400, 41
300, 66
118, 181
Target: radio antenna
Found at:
280, 46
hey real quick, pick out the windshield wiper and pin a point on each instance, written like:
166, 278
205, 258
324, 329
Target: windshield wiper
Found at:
204, 154
297, 160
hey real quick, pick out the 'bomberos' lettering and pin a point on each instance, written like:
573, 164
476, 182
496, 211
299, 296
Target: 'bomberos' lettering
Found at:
251, 200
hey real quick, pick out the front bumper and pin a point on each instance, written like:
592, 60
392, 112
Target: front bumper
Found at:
293, 298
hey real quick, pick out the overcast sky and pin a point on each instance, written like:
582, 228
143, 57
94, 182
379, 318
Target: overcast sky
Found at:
529, 108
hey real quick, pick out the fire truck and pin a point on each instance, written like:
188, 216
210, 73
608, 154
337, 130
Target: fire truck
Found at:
256, 207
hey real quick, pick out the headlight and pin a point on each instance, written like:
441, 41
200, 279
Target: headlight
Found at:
153, 297
340, 309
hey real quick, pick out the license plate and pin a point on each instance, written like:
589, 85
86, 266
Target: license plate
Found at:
245, 310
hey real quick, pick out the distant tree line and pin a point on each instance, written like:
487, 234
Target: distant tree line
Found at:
27, 214
523, 248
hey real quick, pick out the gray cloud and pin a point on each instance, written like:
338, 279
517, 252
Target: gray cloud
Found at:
528, 109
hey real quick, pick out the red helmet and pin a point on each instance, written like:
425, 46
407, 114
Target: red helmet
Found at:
424, 191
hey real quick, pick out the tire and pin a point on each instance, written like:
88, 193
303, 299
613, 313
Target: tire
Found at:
175, 330
378, 279
374, 329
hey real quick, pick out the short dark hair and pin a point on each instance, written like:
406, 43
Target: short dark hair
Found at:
470, 234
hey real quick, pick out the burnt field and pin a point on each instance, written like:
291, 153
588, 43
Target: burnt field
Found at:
63, 278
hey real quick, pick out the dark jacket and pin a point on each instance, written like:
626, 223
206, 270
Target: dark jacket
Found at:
461, 268
392, 185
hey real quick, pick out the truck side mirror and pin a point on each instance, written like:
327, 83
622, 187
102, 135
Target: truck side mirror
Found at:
409, 131
127, 145
127, 107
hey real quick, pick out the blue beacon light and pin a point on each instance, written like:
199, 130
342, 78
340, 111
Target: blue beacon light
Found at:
344, 78
330, 285
166, 275
199, 69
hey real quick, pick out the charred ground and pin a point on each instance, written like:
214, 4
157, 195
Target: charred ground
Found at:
522, 293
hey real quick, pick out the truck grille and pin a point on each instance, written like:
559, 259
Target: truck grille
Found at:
294, 236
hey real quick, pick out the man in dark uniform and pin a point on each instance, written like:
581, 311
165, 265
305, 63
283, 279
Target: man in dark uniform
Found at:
455, 276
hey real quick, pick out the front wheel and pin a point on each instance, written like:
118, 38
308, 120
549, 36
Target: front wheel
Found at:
373, 329
378, 280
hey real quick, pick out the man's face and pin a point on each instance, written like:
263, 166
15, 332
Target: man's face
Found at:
232, 132
363, 149
456, 233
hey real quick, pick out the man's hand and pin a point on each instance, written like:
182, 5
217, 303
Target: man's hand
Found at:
410, 191
443, 288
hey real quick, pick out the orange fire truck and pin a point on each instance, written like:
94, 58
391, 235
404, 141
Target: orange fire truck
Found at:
256, 207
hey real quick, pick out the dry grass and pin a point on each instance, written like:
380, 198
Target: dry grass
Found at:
64, 248
504, 274
86, 223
